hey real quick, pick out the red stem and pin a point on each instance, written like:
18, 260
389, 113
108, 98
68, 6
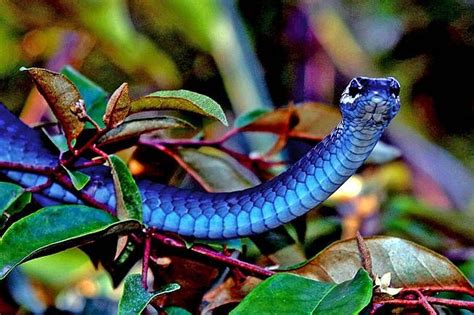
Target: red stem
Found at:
424, 302
184, 165
145, 262
454, 303
27, 168
469, 291
86, 198
469, 305
219, 257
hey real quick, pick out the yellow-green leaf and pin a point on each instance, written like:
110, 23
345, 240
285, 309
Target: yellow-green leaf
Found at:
180, 100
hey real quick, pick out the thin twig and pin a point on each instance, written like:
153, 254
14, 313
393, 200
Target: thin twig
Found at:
469, 305
219, 257
365, 255
424, 302
145, 261
183, 164
64, 180
41, 187
455, 289
44, 170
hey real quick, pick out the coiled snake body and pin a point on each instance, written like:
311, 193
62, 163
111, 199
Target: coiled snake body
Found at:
367, 106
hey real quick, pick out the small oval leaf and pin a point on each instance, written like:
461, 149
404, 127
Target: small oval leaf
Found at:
62, 96
180, 100
53, 229
135, 298
117, 107
13, 198
134, 128
79, 179
411, 265
129, 200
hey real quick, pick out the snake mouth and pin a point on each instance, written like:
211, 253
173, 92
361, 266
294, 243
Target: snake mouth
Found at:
378, 110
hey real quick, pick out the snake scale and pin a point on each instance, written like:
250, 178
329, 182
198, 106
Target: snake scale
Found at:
367, 106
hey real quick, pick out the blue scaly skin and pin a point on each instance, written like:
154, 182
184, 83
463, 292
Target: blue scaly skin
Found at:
367, 106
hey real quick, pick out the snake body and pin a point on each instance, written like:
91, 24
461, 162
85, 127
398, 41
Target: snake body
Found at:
367, 106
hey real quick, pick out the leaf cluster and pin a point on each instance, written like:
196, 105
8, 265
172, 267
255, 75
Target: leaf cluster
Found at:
342, 278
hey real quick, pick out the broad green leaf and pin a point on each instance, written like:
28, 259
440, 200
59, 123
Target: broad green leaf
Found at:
53, 229
249, 117
117, 107
62, 96
95, 98
180, 100
292, 294
129, 200
134, 128
135, 298
79, 179
216, 170
411, 265
13, 198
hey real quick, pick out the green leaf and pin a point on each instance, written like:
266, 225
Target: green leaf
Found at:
216, 170
411, 265
292, 294
180, 100
134, 128
129, 200
53, 229
95, 98
135, 298
175, 310
62, 96
59, 141
249, 117
117, 107
79, 179
13, 198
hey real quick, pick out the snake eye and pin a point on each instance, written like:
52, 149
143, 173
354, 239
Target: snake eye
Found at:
354, 88
394, 88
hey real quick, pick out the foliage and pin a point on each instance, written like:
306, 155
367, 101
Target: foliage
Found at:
56, 228
411, 193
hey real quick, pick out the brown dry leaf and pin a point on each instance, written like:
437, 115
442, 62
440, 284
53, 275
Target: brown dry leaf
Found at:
228, 293
118, 107
63, 98
411, 265
312, 121
195, 276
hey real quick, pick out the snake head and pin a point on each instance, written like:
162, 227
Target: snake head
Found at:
370, 102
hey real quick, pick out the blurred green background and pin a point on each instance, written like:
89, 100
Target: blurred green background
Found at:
265, 54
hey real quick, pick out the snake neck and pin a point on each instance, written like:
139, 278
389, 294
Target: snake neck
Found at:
324, 168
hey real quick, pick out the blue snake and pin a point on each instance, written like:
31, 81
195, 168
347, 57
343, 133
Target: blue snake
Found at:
367, 106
